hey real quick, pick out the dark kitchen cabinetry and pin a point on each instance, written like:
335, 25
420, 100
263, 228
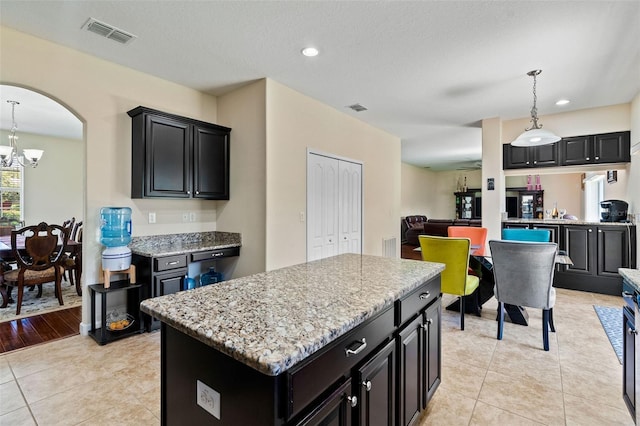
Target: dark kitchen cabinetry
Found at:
596, 149
178, 157
334, 410
629, 353
517, 157
596, 252
377, 392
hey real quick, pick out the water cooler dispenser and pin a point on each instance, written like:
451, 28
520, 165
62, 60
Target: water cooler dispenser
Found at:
115, 234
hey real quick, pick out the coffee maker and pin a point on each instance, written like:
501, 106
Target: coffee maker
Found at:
613, 211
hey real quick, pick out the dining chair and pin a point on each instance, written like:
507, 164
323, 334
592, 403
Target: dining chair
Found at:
72, 260
476, 234
522, 234
454, 253
533, 265
40, 262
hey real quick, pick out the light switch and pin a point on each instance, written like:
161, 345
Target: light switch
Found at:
302, 217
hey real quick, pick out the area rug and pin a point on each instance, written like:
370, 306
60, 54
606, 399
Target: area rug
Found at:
31, 305
611, 320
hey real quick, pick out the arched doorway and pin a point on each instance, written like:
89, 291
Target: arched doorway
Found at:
52, 192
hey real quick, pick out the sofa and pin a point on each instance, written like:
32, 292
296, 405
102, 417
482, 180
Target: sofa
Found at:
437, 227
412, 226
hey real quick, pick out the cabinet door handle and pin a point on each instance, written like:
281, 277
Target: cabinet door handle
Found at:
600, 231
535, 162
424, 296
590, 230
175, 262
353, 400
527, 162
367, 385
429, 321
587, 158
361, 345
631, 331
197, 192
597, 158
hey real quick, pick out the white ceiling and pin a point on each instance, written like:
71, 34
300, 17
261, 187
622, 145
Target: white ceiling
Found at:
428, 71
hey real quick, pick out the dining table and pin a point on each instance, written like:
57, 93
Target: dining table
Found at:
74, 248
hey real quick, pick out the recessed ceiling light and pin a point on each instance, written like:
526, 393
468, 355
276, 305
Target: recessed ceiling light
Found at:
563, 102
310, 51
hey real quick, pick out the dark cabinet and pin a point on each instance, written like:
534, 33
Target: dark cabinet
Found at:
419, 349
596, 149
178, 157
469, 204
517, 157
629, 359
376, 398
335, 410
597, 251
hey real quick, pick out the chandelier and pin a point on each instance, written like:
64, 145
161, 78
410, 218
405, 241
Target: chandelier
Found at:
9, 153
535, 135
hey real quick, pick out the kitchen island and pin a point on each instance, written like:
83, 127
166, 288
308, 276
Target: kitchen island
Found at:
347, 337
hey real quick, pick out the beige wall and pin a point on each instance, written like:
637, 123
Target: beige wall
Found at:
100, 93
633, 180
296, 123
244, 110
417, 191
61, 169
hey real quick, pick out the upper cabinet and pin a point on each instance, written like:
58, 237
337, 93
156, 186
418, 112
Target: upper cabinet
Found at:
572, 151
517, 157
178, 157
596, 149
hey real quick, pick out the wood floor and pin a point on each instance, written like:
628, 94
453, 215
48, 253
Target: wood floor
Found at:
407, 252
38, 329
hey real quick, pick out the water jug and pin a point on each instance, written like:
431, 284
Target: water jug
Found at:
115, 227
211, 277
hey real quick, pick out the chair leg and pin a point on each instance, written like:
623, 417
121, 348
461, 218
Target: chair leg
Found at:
461, 312
551, 325
59, 289
545, 329
19, 303
39, 291
500, 319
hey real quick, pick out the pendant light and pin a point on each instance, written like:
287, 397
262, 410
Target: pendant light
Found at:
535, 135
9, 153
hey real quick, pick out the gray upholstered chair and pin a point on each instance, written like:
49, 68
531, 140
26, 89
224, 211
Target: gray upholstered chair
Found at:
523, 273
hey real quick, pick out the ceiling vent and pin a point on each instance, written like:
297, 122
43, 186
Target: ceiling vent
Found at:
108, 31
357, 107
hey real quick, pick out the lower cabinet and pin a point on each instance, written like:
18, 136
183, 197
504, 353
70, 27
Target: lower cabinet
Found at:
335, 410
377, 390
629, 362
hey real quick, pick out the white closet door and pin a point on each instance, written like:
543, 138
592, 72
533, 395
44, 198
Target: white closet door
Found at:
322, 206
350, 207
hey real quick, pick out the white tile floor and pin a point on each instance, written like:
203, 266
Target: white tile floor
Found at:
484, 381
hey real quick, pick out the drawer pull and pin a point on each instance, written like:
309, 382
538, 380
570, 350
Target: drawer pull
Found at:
218, 254
424, 296
361, 345
353, 400
367, 385
175, 262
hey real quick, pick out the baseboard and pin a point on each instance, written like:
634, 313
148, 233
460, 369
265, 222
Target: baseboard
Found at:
85, 327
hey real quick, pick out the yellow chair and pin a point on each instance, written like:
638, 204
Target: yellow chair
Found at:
454, 253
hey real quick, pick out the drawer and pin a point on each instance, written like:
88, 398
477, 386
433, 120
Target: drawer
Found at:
322, 370
169, 262
215, 254
418, 299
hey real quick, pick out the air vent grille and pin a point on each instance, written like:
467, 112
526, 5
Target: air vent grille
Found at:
108, 31
357, 107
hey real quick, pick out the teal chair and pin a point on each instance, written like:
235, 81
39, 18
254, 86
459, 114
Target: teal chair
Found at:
532, 235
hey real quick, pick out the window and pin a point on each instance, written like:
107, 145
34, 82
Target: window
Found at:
12, 193
593, 194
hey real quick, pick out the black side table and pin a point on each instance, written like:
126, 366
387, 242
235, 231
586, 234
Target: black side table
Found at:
103, 335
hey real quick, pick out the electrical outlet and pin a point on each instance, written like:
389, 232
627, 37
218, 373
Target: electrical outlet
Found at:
185, 217
208, 399
192, 217
152, 217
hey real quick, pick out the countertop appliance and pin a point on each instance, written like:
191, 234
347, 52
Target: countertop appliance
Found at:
613, 211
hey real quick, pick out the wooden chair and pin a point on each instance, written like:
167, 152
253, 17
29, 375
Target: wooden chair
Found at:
72, 262
41, 261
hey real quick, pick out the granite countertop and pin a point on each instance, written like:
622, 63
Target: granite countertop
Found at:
632, 276
566, 222
273, 320
167, 245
